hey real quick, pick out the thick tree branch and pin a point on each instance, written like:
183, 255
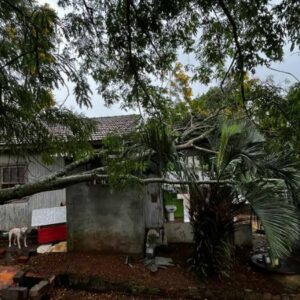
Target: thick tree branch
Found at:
188, 131
190, 143
56, 183
70, 167
175, 182
31, 188
192, 129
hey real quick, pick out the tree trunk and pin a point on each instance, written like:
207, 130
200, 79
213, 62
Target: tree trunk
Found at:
213, 229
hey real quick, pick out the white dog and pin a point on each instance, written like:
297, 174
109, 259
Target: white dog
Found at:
18, 233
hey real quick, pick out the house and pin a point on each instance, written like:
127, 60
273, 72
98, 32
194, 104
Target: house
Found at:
21, 169
98, 218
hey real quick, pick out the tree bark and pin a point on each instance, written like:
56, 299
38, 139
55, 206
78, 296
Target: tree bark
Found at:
55, 182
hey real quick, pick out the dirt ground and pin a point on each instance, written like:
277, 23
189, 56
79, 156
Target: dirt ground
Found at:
67, 294
172, 280
113, 268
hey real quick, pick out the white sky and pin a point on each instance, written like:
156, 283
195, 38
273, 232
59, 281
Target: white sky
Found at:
290, 64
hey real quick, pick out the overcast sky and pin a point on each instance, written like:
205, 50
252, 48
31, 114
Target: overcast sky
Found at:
290, 64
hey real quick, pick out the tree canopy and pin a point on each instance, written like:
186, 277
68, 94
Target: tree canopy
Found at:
272, 108
31, 67
124, 45
130, 49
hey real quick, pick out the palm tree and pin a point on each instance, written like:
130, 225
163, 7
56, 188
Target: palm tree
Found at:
232, 153
252, 176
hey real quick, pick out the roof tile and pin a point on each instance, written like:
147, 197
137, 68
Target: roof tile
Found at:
104, 126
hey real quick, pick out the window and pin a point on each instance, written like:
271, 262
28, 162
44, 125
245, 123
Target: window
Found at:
12, 175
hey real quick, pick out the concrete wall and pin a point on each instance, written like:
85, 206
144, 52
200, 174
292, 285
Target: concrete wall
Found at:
19, 214
178, 232
103, 221
183, 233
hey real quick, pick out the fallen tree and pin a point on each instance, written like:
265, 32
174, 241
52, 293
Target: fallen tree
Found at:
233, 157
58, 182
123, 45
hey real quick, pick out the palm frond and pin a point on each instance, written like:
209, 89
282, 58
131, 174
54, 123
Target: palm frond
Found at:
279, 216
158, 138
227, 131
282, 166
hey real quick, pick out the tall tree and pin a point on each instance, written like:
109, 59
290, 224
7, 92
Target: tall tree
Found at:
124, 43
277, 112
31, 66
127, 47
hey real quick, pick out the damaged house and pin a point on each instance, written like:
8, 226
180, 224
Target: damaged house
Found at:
98, 219
20, 169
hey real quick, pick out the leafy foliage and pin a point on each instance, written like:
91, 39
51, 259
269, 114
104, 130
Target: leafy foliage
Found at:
212, 223
276, 111
233, 152
272, 108
128, 46
260, 194
31, 66
236, 151
242, 159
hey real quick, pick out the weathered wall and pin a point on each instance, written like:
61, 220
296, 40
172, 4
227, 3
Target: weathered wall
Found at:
103, 221
178, 232
19, 214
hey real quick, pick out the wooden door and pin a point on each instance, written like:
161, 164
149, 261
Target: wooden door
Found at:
154, 210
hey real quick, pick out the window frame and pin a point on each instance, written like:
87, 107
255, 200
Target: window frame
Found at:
11, 183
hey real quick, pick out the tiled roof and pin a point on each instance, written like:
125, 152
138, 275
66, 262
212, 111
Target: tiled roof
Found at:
104, 126
114, 125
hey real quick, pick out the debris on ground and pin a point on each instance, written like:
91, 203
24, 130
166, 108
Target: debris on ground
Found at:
128, 261
157, 262
47, 248
43, 248
59, 247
